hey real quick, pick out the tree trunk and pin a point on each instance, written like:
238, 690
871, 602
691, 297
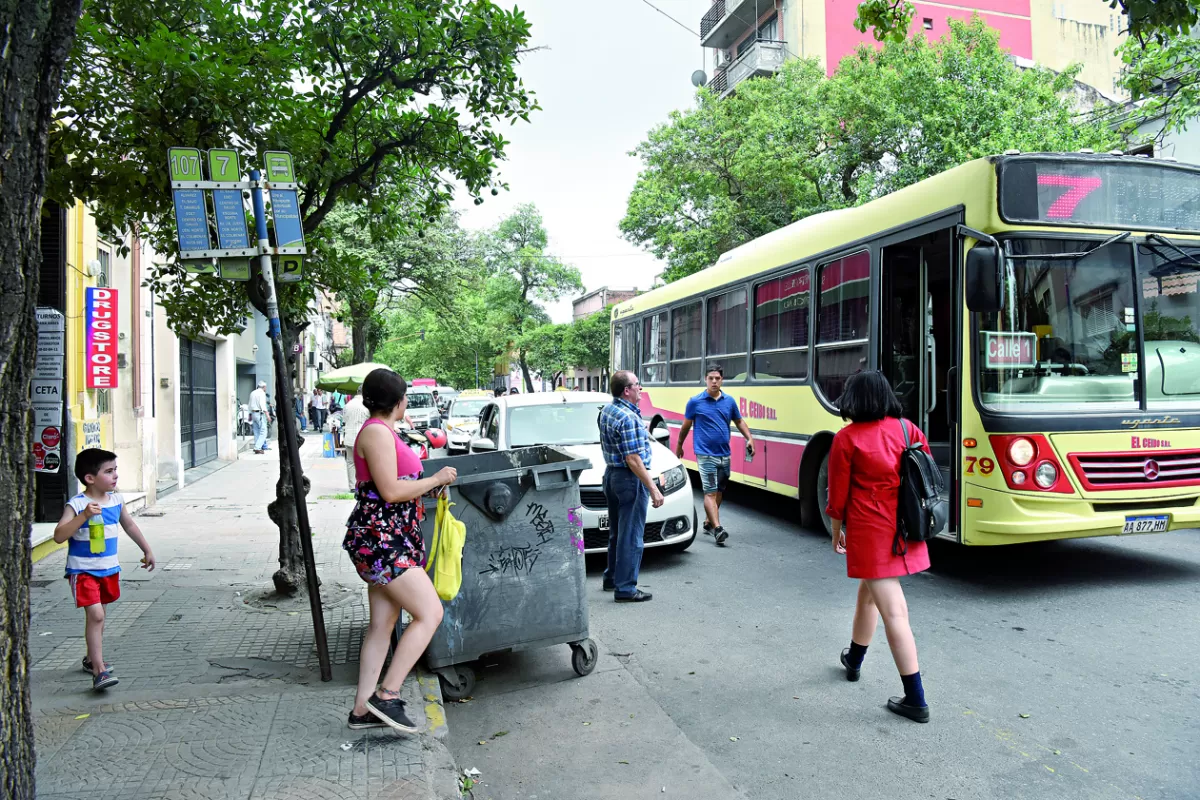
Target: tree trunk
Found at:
35, 39
358, 335
289, 579
525, 371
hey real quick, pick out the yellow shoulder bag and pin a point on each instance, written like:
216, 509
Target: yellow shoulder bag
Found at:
445, 553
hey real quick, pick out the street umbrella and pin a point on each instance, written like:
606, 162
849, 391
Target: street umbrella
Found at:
349, 379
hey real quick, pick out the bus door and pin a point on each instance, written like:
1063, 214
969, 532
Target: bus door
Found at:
917, 341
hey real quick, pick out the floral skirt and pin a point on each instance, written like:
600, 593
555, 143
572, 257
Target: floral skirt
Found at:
383, 539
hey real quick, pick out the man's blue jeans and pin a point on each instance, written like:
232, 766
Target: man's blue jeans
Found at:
628, 501
258, 424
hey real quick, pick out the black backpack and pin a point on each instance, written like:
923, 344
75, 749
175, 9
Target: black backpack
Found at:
921, 512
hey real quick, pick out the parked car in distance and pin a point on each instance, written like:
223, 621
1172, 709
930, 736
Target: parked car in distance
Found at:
571, 420
462, 420
422, 409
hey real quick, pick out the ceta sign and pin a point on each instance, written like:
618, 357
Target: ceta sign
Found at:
100, 328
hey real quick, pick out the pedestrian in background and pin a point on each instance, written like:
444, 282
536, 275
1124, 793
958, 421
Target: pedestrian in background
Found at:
321, 405
260, 417
712, 411
864, 489
628, 486
354, 416
298, 406
383, 540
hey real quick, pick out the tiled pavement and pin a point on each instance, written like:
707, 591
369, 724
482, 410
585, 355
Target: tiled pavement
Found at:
220, 698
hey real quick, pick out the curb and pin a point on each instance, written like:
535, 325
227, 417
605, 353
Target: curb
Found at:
435, 711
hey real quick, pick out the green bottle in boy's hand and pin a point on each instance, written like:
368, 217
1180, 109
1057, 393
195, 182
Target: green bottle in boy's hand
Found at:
96, 533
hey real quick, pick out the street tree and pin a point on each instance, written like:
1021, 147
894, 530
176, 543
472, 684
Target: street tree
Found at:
783, 148
1146, 20
546, 350
35, 39
377, 101
587, 342
1164, 82
525, 275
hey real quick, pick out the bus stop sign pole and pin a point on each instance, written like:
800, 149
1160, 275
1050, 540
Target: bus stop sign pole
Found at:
283, 387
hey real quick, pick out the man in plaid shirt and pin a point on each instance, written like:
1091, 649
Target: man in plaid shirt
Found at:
627, 486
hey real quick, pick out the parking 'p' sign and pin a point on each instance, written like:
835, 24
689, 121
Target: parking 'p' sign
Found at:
291, 269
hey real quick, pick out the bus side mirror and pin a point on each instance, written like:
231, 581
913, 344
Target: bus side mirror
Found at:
983, 279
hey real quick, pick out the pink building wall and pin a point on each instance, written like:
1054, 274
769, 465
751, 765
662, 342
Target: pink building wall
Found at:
1009, 17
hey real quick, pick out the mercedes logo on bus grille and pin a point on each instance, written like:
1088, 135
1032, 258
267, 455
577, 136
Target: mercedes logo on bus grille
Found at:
1150, 469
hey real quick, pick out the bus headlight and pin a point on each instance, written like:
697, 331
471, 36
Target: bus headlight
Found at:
673, 480
1018, 477
1046, 475
1021, 452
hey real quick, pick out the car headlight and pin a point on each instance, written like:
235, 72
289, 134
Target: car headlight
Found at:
673, 480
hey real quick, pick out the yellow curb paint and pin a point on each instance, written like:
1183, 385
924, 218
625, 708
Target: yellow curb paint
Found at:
46, 548
435, 716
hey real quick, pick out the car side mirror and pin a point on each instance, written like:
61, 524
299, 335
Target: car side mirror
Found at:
484, 445
983, 279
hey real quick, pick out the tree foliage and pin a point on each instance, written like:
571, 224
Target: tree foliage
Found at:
587, 341
379, 103
1163, 80
1147, 20
546, 349
524, 275
783, 148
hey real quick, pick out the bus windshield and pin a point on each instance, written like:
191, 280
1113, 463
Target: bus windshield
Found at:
1068, 333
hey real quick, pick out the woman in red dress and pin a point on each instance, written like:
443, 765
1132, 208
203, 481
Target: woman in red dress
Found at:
864, 483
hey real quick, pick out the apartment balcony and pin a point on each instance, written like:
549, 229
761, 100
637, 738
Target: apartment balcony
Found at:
727, 20
762, 59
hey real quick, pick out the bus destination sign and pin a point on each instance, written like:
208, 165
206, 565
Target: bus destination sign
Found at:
1100, 193
1009, 350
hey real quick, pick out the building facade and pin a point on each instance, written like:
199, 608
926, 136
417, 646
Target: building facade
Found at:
750, 38
580, 377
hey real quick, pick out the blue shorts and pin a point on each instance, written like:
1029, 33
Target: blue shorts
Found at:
714, 473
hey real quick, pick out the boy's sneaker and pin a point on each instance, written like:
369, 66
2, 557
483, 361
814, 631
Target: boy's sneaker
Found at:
104, 680
391, 712
87, 665
721, 535
367, 720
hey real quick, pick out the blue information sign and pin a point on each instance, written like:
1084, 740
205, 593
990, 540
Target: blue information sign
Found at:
231, 219
289, 232
191, 220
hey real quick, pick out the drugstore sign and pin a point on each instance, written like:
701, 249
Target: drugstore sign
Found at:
100, 338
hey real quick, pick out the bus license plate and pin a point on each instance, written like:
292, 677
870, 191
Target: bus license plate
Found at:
604, 522
1146, 524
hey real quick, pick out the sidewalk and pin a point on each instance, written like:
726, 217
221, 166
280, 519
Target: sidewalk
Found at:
220, 693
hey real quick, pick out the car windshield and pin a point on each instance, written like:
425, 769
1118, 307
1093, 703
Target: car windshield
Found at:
554, 423
468, 408
1067, 334
420, 400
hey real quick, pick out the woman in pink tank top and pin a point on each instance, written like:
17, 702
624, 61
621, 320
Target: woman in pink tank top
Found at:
383, 540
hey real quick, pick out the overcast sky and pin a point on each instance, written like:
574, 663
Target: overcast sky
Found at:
610, 72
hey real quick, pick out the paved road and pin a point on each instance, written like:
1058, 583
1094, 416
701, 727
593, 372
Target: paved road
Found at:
727, 684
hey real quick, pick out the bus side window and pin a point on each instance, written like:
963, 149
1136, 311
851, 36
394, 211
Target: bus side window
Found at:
843, 320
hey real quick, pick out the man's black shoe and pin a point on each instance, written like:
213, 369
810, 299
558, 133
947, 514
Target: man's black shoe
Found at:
367, 720
721, 534
609, 586
638, 597
852, 673
391, 712
708, 528
916, 713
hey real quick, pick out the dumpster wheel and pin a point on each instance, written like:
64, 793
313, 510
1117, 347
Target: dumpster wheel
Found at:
457, 681
584, 656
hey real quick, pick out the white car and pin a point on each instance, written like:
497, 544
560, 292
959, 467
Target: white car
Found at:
422, 409
462, 422
571, 420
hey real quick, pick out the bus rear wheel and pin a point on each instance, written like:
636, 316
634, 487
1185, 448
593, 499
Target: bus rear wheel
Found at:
821, 494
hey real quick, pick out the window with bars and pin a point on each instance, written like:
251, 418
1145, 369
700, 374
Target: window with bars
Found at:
104, 257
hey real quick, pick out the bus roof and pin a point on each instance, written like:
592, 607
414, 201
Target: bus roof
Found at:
972, 184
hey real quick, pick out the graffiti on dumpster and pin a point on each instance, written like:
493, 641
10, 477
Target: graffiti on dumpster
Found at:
575, 518
542, 524
512, 560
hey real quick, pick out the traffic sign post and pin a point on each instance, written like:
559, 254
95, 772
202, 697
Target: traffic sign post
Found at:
233, 252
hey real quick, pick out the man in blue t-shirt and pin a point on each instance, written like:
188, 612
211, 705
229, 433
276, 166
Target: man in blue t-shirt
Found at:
711, 411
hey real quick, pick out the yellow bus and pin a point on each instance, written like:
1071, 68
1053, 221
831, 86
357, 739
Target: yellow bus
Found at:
1037, 314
